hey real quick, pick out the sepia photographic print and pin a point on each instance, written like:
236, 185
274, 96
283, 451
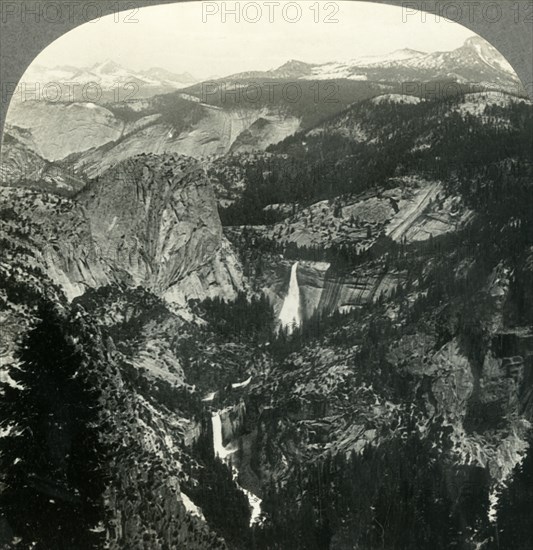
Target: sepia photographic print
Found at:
266, 276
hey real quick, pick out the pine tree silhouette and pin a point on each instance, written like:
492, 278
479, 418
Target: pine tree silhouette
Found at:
51, 460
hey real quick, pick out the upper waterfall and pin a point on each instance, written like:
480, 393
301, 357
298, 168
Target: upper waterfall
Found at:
289, 316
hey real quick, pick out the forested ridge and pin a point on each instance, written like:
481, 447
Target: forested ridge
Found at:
306, 168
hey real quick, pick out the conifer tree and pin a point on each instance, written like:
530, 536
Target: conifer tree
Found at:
51, 460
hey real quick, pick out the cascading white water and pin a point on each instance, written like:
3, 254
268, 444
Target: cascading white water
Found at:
289, 316
223, 453
218, 445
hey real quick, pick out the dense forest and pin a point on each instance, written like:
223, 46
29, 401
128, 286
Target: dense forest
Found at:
408, 508
245, 317
310, 167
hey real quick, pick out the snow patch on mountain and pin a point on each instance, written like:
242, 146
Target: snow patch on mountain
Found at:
108, 75
397, 55
396, 98
475, 61
475, 103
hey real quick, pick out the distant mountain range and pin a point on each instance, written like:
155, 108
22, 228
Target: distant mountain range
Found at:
476, 61
114, 81
162, 112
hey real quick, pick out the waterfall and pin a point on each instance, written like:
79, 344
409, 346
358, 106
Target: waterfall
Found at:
289, 316
223, 453
218, 445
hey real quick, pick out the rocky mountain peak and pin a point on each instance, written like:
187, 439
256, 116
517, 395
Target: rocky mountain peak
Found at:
486, 53
407, 52
106, 67
293, 64
293, 68
476, 42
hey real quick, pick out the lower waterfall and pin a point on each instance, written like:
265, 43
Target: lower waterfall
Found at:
222, 452
218, 446
289, 316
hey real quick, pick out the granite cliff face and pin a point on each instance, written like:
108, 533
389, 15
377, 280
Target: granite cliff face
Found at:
60, 129
150, 221
212, 131
96, 137
155, 223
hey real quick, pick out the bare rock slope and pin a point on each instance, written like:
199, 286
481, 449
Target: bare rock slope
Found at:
150, 221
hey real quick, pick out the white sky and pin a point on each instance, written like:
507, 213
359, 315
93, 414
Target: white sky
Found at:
175, 37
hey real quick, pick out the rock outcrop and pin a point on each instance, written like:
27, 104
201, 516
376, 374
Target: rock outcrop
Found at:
155, 223
60, 129
94, 138
151, 221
